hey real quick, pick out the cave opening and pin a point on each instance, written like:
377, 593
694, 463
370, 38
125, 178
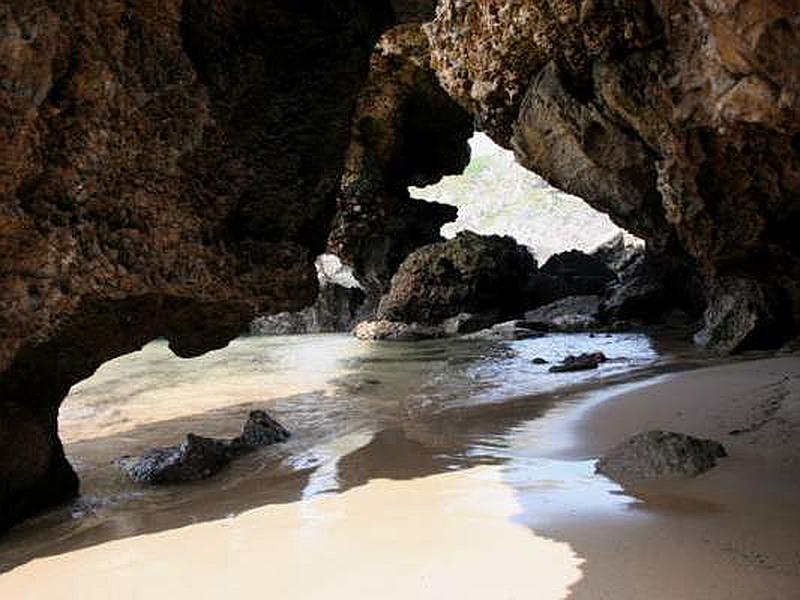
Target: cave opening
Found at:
497, 196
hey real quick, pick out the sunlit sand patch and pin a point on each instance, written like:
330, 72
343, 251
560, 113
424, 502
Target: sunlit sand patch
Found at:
445, 536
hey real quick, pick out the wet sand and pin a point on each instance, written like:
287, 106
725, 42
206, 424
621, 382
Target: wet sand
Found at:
731, 533
395, 515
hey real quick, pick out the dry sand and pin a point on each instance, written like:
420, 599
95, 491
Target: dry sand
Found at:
732, 533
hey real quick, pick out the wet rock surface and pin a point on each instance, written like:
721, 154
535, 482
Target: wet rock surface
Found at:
199, 457
582, 362
656, 455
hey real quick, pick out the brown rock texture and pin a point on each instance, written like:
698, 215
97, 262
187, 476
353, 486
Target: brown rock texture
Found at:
678, 119
406, 131
469, 274
167, 168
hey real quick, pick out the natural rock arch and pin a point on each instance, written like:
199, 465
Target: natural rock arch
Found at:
171, 168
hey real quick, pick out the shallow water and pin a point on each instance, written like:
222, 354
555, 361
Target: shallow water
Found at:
359, 412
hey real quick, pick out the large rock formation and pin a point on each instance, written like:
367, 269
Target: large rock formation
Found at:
678, 119
171, 168
468, 274
406, 131
167, 168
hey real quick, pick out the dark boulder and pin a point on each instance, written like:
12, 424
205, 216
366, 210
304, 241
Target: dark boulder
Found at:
199, 457
261, 430
571, 273
471, 273
582, 362
660, 454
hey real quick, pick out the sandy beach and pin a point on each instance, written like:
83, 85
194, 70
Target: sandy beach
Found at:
730, 533
479, 532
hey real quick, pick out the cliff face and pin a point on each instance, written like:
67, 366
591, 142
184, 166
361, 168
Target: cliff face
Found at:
167, 168
678, 119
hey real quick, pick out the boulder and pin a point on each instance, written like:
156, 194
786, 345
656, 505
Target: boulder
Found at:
464, 323
471, 273
261, 430
571, 273
741, 315
396, 331
658, 455
582, 362
508, 331
195, 458
199, 457
573, 313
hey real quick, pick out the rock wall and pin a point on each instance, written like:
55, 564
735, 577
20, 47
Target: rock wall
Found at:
406, 131
167, 168
678, 119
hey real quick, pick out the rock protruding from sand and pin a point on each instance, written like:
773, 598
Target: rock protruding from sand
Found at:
199, 457
660, 455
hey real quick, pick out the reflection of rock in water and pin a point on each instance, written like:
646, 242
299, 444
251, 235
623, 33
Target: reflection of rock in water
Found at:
390, 455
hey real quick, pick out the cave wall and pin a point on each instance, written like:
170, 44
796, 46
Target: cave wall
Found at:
406, 131
167, 168
677, 118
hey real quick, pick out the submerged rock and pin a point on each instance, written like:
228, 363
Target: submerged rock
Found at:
660, 454
582, 362
574, 313
199, 457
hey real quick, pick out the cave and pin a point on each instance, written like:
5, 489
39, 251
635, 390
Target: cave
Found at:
171, 171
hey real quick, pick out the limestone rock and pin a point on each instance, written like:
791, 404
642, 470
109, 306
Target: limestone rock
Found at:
659, 455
